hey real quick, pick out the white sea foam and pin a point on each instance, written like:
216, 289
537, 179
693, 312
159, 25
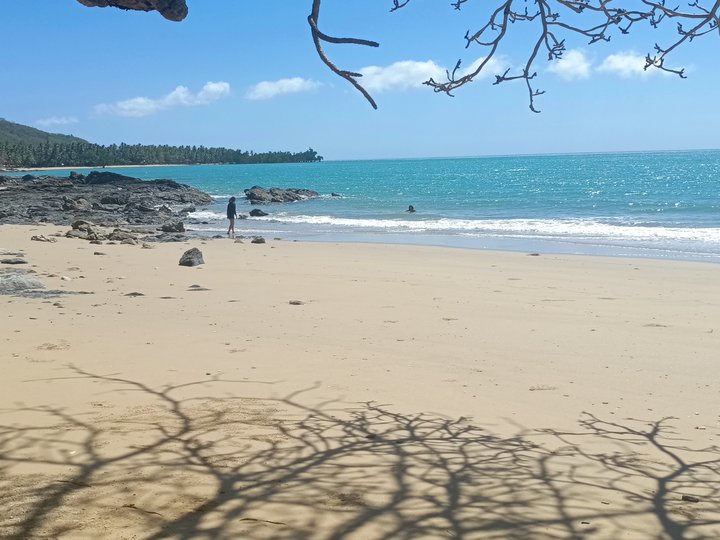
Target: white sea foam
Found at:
206, 215
555, 228
225, 198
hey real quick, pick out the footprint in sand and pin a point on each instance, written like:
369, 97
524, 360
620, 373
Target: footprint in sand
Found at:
340, 499
32, 360
62, 345
542, 388
100, 404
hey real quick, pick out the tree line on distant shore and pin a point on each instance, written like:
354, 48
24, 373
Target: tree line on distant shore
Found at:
17, 155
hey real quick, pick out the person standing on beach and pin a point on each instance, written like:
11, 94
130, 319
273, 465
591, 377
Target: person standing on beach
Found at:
231, 215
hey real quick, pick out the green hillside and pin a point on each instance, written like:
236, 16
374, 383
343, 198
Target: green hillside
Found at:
26, 147
13, 133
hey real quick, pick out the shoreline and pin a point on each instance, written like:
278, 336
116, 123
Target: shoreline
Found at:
542, 247
98, 167
488, 243
682, 233
413, 158
290, 387
149, 165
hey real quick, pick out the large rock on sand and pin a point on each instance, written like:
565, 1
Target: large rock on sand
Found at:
18, 282
86, 230
192, 257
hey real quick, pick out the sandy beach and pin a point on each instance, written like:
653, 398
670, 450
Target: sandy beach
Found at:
295, 390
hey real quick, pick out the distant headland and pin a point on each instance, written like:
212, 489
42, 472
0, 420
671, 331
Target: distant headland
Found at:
25, 147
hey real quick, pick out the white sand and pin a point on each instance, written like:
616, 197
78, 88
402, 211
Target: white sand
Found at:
415, 392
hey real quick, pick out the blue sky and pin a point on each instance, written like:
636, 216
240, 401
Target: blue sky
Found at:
244, 74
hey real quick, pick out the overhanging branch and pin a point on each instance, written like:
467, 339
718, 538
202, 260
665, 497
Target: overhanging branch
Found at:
552, 22
320, 37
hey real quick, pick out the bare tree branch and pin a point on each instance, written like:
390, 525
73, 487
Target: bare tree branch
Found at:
553, 21
174, 10
552, 31
319, 37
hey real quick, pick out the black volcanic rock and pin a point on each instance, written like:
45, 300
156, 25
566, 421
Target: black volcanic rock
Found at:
260, 195
106, 199
115, 198
173, 227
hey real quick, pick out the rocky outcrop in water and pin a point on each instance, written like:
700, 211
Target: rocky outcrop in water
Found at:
104, 198
174, 10
260, 195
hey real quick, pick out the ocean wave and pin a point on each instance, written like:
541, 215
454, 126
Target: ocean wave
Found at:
206, 215
554, 228
239, 196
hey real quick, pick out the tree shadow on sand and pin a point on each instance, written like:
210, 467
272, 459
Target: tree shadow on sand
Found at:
184, 464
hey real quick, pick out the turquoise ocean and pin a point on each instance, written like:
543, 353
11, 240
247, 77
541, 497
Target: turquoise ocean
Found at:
659, 205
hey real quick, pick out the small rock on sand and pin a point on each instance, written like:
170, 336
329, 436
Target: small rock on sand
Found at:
41, 238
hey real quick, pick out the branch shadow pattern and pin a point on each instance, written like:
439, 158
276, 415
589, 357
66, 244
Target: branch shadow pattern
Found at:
236, 467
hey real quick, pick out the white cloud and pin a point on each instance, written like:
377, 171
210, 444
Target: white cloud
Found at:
270, 89
412, 74
572, 66
57, 121
212, 91
400, 75
627, 65
180, 97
